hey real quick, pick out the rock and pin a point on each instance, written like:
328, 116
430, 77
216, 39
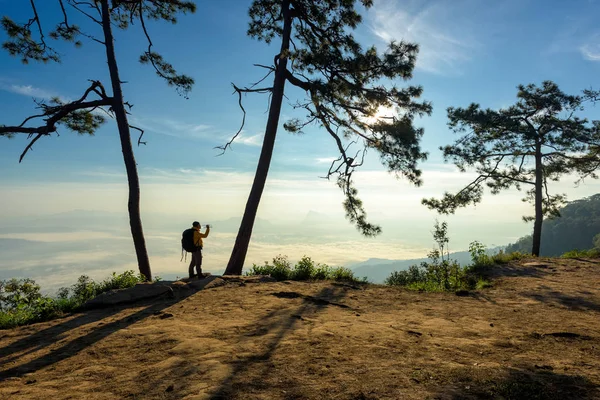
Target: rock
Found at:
203, 283
120, 296
215, 283
249, 279
535, 264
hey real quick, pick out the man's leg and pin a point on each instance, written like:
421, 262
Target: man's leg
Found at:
192, 264
199, 263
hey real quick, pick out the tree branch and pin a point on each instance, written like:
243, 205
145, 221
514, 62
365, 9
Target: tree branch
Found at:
30, 146
228, 144
141, 134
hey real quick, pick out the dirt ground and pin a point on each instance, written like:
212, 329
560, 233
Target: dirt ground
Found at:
534, 335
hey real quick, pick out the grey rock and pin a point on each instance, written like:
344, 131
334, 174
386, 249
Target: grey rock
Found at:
120, 296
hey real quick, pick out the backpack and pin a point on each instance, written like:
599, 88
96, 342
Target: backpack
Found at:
187, 240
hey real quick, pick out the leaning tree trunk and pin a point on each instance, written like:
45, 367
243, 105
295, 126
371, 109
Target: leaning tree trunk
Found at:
238, 255
133, 205
539, 212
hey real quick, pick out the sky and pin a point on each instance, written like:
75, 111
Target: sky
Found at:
62, 210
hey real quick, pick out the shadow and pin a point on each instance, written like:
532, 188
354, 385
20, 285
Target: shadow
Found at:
539, 382
553, 297
53, 334
316, 300
280, 323
586, 260
513, 270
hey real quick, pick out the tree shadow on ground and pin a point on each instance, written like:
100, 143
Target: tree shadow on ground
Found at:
556, 298
514, 270
537, 383
260, 365
53, 334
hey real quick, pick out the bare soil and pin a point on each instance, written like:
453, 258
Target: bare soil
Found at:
534, 335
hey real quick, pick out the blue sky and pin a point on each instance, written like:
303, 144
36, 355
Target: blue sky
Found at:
471, 51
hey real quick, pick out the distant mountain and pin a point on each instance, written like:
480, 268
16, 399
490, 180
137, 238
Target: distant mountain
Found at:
574, 229
370, 262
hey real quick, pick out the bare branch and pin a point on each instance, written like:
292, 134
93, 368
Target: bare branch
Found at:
141, 134
75, 5
29, 146
228, 144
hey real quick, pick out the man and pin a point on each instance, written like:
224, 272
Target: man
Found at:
197, 253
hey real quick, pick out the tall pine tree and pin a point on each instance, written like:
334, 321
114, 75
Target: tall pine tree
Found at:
345, 87
29, 41
527, 145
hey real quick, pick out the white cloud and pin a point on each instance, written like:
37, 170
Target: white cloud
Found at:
442, 29
170, 127
250, 140
591, 51
325, 160
27, 90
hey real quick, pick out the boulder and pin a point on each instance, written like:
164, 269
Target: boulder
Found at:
199, 284
215, 283
535, 264
120, 296
249, 279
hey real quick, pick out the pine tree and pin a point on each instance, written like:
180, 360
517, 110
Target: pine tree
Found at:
345, 87
28, 41
537, 140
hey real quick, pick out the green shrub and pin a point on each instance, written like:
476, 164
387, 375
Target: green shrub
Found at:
342, 274
322, 272
504, 258
436, 275
441, 273
413, 275
280, 270
479, 258
21, 301
576, 253
304, 270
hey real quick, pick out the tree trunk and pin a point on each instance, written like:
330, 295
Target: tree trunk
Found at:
539, 213
238, 255
133, 205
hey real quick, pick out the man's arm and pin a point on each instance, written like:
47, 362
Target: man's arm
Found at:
205, 234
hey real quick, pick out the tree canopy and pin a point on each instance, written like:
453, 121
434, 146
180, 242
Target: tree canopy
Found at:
345, 87
86, 114
529, 144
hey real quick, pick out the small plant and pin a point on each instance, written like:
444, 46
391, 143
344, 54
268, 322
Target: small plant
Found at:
479, 258
576, 253
303, 270
322, 272
504, 258
342, 274
441, 273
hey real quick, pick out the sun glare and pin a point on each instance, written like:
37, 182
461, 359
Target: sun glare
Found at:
382, 113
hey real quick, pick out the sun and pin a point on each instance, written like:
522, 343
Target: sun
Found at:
383, 113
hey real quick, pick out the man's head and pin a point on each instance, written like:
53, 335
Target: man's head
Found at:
196, 224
